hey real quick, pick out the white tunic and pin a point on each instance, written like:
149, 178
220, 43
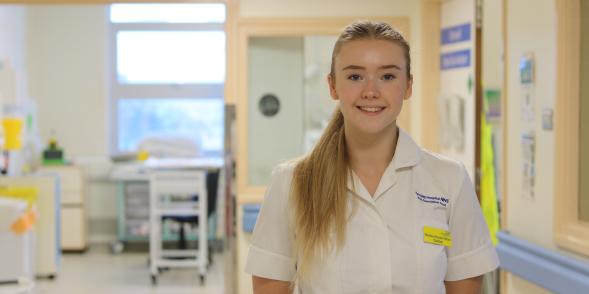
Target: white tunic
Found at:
384, 250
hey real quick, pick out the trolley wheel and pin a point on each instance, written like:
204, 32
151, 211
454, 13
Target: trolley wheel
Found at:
202, 279
153, 280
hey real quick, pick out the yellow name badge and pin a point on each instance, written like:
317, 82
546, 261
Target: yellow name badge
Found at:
437, 236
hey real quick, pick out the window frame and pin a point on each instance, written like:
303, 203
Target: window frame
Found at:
120, 91
569, 231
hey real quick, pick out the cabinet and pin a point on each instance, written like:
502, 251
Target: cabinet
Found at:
47, 255
15, 249
74, 221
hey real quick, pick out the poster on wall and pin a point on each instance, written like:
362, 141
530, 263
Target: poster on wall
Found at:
492, 104
452, 118
526, 73
528, 143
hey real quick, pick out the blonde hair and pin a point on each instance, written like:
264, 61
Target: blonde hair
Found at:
319, 185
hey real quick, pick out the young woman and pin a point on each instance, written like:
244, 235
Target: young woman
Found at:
369, 211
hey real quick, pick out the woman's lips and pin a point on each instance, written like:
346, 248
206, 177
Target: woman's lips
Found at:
371, 109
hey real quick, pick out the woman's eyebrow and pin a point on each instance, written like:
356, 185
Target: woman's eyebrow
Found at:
353, 67
388, 66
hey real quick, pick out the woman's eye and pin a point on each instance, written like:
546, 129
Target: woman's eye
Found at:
354, 77
388, 77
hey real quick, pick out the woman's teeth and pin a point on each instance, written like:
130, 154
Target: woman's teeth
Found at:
371, 109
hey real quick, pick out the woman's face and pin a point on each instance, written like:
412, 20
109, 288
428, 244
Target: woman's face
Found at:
370, 83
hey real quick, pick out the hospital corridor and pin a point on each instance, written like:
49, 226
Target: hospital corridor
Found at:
294, 146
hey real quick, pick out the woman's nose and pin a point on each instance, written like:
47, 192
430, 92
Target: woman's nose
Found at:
370, 90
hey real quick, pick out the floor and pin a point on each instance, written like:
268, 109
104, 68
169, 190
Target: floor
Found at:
99, 271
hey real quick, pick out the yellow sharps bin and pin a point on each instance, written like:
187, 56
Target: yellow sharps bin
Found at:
12, 133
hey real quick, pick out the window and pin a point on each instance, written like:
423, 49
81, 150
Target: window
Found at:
167, 74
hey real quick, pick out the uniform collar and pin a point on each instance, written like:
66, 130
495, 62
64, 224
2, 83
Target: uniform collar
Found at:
407, 154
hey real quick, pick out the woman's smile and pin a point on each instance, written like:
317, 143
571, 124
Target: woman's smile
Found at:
371, 110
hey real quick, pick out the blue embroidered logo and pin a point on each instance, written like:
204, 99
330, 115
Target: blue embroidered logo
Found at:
431, 199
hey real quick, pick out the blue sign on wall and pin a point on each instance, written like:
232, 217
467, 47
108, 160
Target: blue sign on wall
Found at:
456, 59
456, 34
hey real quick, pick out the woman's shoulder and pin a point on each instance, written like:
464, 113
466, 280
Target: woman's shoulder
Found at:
426, 159
441, 168
286, 168
279, 186
440, 161
283, 172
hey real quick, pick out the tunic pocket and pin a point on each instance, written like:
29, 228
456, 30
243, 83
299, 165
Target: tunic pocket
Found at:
433, 259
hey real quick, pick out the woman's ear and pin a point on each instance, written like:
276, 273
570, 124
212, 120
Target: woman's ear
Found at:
331, 82
409, 90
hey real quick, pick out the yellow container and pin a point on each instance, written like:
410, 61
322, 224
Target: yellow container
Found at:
12, 133
142, 155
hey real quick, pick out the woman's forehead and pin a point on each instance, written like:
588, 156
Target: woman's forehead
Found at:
370, 51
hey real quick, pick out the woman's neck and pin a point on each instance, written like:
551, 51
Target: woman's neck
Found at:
371, 152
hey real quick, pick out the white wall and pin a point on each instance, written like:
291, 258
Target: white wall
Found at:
531, 219
68, 62
13, 73
458, 134
536, 33
414, 36
68, 78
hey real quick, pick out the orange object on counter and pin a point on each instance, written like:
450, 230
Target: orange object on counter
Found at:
24, 223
